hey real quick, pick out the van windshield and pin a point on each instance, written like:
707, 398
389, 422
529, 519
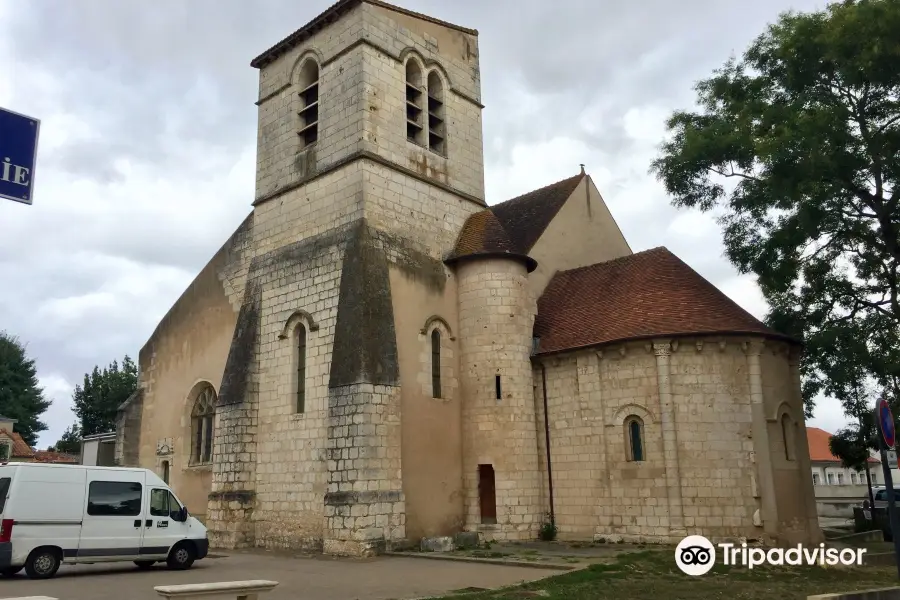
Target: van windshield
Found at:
4, 489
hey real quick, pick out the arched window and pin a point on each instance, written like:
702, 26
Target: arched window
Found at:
203, 417
300, 363
414, 106
436, 129
308, 83
165, 471
787, 436
634, 437
435, 364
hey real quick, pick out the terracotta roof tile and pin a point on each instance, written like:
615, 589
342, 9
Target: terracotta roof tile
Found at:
651, 293
20, 449
818, 446
483, 235
526, 217
45, 456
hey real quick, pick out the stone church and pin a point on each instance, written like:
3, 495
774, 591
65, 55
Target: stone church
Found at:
377, 354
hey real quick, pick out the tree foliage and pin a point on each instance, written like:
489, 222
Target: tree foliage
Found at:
70, 442
797, 147
99, 397
21, 397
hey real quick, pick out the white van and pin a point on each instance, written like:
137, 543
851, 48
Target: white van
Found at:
50, 514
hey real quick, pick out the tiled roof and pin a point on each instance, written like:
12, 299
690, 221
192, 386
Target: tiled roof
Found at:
648, 294
20, 449
329, 16
45, 456
526, 217
513, 227
483, 235
818, 446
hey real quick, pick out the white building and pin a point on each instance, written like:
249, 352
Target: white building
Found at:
838, 488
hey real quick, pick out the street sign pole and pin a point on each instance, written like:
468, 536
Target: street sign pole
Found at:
887, 440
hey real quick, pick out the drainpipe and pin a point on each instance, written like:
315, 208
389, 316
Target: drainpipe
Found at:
547, 442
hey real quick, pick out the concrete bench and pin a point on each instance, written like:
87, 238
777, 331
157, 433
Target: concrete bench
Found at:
222, 590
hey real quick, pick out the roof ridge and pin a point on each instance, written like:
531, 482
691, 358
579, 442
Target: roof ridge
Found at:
617, 259
527, 216
540, 189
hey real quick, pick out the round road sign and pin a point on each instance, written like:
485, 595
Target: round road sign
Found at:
886, 423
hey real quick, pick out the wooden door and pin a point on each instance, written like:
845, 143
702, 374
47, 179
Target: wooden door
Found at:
487, 494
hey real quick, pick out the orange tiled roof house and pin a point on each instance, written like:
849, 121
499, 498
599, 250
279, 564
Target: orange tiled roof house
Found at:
378, 355
14, 449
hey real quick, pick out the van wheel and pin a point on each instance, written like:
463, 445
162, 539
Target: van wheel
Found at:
43, 563
144, 564
10, 571
181, 557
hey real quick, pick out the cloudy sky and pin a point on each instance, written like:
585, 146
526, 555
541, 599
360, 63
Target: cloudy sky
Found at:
148, 141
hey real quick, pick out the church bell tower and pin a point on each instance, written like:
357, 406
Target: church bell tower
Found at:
369, 161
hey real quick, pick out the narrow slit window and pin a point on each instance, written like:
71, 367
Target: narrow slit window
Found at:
301, 369
165, 471
634, 432
436, 123
415, 103
497, 389
309, 104
435, 364
787, 436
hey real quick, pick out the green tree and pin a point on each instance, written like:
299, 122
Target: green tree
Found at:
796, 147
70, 442
21, 397
98, 399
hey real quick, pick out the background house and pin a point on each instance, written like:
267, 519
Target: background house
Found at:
14, 449
837, 488
99, 450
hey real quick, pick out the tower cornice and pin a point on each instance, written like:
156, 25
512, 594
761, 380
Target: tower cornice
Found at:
329, 16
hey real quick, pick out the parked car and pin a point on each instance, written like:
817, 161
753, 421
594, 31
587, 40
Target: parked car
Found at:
880, 494
52, 514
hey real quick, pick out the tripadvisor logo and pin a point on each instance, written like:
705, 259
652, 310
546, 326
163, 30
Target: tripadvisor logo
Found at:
696, 555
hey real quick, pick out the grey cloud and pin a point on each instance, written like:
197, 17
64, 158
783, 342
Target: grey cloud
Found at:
150, 109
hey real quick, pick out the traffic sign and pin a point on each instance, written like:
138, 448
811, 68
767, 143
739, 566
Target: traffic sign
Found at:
18, 155
886, 423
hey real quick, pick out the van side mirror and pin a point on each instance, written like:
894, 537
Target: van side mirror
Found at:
181, 515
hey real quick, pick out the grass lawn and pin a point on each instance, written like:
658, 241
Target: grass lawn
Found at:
652, 575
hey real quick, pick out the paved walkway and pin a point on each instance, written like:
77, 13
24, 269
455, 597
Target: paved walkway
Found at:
301, 578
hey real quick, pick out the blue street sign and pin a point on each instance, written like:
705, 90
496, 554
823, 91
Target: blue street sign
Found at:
18, 155
886, 420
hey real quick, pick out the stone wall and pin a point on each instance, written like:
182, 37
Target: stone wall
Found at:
282, 162
461, 166
128, 430
701, 466
496, 316
362, 106
189, 346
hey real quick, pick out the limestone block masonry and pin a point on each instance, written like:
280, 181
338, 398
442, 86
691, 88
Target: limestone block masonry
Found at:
496, 319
